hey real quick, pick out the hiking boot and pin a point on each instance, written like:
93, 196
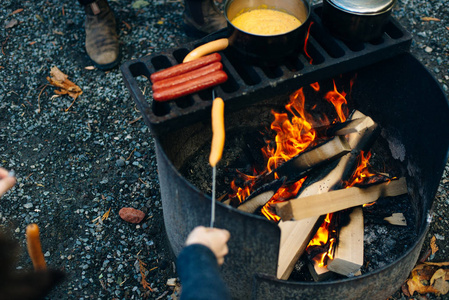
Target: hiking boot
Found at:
101, 37
202, 17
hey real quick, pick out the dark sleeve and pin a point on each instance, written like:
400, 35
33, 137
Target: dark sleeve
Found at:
200, 276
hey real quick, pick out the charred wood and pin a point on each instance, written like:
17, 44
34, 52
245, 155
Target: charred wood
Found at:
348, 254
296, 234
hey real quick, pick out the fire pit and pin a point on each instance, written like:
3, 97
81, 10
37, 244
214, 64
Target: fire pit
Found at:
398, 93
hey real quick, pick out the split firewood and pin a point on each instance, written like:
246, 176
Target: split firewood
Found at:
319, 204
348, 254
295, 235
300, 165
318, 273
396, 219
296, 167
343, 128
261, 197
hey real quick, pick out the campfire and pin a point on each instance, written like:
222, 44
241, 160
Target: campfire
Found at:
316, 172
282, 203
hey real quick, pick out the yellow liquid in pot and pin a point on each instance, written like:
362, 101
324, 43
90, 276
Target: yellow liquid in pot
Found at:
266, 22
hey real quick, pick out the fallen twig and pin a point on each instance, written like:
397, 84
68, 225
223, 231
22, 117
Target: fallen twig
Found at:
39, 99
135, 120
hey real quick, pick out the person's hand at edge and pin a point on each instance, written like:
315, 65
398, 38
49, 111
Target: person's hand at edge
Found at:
6, 181
214, 238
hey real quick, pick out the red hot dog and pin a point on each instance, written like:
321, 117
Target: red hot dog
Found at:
191, 86
185, 67
169, 82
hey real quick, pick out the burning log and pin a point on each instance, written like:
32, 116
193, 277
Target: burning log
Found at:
343, 128
348, 255
296, 234
261, 197
295, 168
319, 273
337, 200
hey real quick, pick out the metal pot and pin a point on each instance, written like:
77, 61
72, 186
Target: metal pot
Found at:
255, 48
267, 48
357, 20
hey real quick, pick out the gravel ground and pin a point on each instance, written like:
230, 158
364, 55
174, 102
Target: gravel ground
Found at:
75, 165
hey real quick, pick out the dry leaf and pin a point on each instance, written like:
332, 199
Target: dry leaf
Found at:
433, 245
59, 79
440, 264
429, 278
426, 19
442, 286
419, 282
11, 23
440, 273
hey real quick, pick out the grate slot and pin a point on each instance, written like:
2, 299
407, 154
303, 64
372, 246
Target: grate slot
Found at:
393, 31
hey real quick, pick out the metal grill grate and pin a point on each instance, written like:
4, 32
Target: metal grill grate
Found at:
248, 84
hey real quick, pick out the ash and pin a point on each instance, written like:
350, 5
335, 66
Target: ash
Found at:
383, 242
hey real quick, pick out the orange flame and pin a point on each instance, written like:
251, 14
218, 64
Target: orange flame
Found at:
315, 86
293, 136
321, 238
306, 42
284, 193
294, 133
362, 172
339, 101
242, 192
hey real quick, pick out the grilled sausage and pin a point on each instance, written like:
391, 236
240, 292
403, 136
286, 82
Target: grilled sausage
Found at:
169, 82
191, 86
185, 67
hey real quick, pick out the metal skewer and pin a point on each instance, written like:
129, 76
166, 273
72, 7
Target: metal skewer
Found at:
217, 117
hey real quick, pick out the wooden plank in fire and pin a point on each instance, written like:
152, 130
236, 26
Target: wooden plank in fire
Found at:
331, 150
319, 204
319, 273
348, 254
261, 197
323, 153
295, 235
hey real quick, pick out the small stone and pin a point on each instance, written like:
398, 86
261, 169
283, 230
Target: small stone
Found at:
131, 215
28, 205
120, 163
428, 49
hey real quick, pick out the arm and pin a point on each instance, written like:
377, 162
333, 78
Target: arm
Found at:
198, 264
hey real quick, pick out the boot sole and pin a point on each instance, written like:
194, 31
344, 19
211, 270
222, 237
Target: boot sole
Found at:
108, 66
